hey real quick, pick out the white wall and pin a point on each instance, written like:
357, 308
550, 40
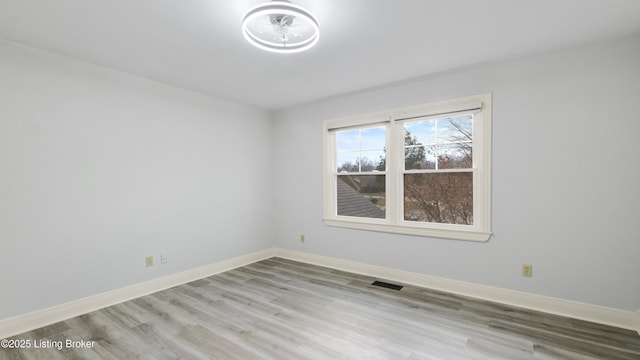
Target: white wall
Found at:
566, 178
99, 169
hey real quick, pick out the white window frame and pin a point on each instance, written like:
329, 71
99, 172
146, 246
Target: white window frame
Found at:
479, 105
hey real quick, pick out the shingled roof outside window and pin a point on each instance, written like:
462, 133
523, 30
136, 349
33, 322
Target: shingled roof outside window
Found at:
352, 203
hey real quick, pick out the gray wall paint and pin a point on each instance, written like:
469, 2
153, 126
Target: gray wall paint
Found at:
100, 169
565, 177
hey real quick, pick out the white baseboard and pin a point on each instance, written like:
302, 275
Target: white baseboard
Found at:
19, 324
577, 310
599, 314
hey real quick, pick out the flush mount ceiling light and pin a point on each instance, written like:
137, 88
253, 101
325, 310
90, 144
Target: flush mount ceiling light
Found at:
280, 26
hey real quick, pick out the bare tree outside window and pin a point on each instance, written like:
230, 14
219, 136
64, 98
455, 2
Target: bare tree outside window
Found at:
438, 178
422, 170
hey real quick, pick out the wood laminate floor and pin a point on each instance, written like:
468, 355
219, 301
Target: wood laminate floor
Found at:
281, 309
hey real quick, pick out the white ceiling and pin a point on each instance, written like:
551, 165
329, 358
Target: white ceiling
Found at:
198, 44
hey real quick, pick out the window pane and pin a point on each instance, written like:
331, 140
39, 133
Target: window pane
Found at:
420, 132
455, 129
348, 140
348, 161
455, 156
439, 143
419, 157
361, 195
372, 160
373, 138
361, 150
439, 197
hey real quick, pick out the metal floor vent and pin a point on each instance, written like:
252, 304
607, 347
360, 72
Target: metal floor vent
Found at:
386, 285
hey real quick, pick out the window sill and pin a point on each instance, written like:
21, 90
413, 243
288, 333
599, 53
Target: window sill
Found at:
409, 230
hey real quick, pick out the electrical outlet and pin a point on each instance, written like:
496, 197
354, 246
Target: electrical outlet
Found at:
149, 261
301, 238
527, 270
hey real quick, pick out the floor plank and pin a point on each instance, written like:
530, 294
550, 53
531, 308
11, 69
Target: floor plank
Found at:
282, 309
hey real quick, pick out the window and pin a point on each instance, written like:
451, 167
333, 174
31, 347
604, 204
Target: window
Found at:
361, 179
423, 170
